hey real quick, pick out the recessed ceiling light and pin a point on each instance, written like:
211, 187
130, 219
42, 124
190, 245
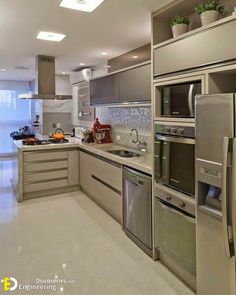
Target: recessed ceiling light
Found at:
107, 66
63, 73
134, 56
3, 70
104, 53
83, 5
50, 36
82, 64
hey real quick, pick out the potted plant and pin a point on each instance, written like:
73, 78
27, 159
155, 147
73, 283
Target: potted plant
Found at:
179, 25
209, 12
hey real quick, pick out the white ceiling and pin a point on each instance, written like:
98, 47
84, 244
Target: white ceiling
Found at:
116, 26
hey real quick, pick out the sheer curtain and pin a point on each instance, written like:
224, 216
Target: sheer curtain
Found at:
14, 113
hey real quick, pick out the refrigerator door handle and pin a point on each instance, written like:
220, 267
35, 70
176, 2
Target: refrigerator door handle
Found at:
234, 194
226, 229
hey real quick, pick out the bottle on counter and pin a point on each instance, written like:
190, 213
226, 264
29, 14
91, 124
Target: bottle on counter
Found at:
96, 124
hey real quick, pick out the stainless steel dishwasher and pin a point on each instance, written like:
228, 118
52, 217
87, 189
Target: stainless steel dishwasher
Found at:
137, 208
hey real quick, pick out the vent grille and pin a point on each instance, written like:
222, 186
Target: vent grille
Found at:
46, 59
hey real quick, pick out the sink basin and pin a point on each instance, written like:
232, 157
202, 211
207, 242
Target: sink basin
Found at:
124, 153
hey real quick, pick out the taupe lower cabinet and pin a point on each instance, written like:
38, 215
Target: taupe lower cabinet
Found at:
101, 179
133, 85
47, 170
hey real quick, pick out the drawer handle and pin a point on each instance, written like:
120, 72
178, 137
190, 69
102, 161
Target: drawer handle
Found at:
106, 184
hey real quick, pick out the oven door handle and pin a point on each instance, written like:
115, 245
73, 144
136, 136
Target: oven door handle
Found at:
190, 100
184, 216
175, 139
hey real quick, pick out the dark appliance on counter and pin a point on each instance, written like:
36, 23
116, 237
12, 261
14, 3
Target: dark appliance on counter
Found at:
175, 156
178, 100
22, 133
103, 134
137, 208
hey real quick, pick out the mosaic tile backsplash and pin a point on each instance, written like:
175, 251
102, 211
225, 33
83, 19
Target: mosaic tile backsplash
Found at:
125, 118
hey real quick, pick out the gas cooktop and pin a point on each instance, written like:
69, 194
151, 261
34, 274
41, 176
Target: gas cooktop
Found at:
35, 141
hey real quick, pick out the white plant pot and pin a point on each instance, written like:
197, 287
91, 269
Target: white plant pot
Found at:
179, 29
210, 16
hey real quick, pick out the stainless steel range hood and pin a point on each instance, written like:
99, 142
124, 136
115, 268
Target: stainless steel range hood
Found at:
44, 85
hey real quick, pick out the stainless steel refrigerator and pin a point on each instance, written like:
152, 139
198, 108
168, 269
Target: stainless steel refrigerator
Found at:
216, 193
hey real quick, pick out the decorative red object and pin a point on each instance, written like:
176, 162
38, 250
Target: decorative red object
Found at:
103, 134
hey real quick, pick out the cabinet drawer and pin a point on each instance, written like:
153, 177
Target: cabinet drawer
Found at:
106, 198
42, 176
44, 156
102, 169
31, 167
41, 186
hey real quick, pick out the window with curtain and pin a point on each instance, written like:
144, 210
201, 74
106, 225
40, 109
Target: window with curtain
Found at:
14, 113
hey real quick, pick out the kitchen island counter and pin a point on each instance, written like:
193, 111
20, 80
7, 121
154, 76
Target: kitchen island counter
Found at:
142, 163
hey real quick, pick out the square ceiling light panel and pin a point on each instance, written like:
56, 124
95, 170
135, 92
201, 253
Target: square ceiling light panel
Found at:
50, 36
83, 5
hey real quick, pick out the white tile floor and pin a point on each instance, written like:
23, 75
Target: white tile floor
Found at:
70, 237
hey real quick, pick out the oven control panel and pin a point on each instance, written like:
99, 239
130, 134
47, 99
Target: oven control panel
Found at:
184, 131
177, 199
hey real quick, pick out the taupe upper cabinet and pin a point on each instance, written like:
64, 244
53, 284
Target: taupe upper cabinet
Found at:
104, 90
135, 84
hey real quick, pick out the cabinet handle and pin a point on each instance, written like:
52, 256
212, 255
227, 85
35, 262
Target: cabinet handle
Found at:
106, 184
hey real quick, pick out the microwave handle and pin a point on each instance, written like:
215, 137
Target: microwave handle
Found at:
190, 100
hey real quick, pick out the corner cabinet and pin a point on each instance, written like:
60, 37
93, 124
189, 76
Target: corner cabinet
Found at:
132, 85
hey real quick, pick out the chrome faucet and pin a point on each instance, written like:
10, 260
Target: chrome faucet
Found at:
131, 133
141, 145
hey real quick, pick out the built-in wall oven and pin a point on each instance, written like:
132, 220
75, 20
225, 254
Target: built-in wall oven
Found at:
178, 100
174, 170
175, 156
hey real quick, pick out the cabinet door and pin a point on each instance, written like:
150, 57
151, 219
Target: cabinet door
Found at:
73, 168
135, 84
104, 90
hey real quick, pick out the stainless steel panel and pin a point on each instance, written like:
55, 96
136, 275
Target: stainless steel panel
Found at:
213, 266
213, 45
175, 236
137, 202
214, 121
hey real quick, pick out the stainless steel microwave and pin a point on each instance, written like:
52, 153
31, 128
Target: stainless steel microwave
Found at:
178, 100
175, 157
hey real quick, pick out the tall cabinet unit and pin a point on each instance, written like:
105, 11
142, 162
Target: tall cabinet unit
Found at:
205, 55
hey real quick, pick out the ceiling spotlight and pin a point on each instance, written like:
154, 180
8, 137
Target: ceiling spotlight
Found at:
3, 70
104, 53
50, 36
134, 56
82, 64
63, 73
83, 5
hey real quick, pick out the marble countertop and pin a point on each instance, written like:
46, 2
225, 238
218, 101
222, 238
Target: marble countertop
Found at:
142, 163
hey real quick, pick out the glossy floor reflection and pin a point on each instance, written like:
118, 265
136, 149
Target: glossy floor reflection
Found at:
68, 237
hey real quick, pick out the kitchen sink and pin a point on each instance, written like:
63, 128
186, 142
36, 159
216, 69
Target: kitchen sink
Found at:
124, 153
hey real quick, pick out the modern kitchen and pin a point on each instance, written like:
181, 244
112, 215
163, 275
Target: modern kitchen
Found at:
118, 149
